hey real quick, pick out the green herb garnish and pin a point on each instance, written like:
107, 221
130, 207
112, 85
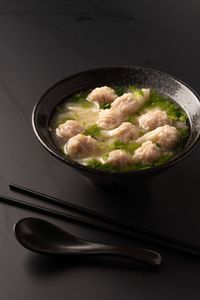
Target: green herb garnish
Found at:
94, 131
129, 147
81, 99
120, 90
60, 109
62, 149
132, 88
184, 132
94, 163
163, 159
137, 92
105, 106
133, 118
174, 112
184, 135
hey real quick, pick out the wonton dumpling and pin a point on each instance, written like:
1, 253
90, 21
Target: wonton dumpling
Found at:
119, 158
153, 119
125, 104
109, 119
129, 103
147, 153
126, 132
81, 146
166, 136
68, 129
102, 95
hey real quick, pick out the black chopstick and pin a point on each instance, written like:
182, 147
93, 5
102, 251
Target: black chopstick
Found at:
194, 251
65, 216
102, 222
54, 213
62, 203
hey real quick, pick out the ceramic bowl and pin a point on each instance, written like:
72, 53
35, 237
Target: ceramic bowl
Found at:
117, 75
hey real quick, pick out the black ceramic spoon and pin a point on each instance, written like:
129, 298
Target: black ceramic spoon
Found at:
44, 237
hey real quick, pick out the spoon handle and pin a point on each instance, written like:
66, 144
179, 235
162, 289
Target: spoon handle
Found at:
147, 256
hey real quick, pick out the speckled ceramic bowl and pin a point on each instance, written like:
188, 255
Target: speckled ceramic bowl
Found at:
119, 75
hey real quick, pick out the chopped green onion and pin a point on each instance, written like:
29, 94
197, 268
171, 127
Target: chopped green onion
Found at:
93, 131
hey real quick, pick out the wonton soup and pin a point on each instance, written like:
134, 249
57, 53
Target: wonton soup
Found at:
119, 128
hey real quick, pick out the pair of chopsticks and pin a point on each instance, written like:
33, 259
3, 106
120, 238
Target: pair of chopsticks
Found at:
94, 219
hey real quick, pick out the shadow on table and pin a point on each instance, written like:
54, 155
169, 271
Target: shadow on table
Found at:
43, 266
122, 204
125, 205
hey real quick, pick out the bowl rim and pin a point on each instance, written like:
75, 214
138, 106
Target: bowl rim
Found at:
87, 169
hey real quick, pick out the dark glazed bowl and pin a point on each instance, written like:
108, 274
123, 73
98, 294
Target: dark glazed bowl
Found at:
119, 75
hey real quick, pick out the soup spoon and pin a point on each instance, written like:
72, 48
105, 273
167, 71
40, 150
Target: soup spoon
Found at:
44, 237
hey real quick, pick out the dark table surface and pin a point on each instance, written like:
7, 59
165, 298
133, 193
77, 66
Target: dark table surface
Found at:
40, 43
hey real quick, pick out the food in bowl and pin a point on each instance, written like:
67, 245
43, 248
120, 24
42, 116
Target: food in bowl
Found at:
119, 128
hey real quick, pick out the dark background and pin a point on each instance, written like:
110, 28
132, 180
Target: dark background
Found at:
42, 42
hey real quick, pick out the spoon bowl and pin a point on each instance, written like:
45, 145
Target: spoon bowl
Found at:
43, 237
